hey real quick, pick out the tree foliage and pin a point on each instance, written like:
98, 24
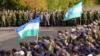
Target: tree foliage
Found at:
98, 2
44, 4
11, 4
89, 2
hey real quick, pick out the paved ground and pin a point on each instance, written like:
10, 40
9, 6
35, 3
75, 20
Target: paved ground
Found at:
8, 36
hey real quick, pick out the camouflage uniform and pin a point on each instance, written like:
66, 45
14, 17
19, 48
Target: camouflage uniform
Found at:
14, 19
99, 15
8, 18
3, 20
47, 19
44, 20
95, 16
88, 17
20, 18
85, 18
25, 17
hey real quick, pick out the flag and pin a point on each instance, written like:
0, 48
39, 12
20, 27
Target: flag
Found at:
74, 12
29, 29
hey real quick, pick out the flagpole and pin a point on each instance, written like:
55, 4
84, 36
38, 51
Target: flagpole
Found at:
37, 40
38, 35
80, 20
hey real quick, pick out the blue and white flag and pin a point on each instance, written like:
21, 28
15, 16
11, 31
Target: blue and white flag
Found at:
29, 29
74, 12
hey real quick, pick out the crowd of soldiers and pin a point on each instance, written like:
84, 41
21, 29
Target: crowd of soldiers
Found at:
81, 40
55, 18
14, 18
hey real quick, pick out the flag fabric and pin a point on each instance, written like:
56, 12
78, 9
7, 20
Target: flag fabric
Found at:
74, 12
29, 29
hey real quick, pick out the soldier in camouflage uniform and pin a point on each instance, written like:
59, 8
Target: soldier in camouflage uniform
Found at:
54, 19
8, 18
51, 19
91, 16
17, 18
60, 19
47, 15
82, 19
57, 19
25, 17
14, 19
20, 17
44, 20
3, 20
88, 17
85, 17
41, 15
98, 15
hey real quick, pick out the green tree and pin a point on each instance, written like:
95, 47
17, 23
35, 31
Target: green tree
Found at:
11, 4
44, 4
98, 2
50, 4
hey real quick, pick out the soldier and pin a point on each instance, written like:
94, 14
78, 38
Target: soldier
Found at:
8, 18
62, 16
66, 36
25, 17
60, 19
6, 13
14, 19
41, 15
82, 18
91, 16
34, 14
55, 13
17, 18
51, 19
54, 19
30, 15
47, 18
95, 33
88, 16
44, 20
3, 20
95, 16
57, 17
85, 17
98, 15
20, 17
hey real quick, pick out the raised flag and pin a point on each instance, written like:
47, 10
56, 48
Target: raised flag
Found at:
29, 29
74, 12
